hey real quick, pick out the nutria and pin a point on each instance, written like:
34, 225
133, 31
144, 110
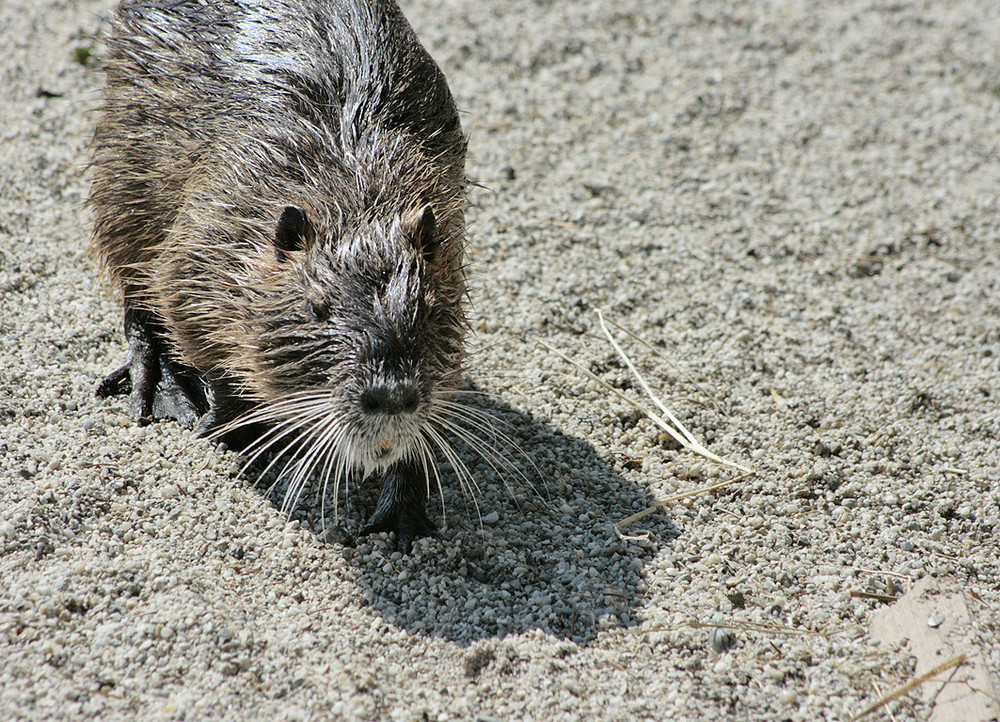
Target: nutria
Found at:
278, 192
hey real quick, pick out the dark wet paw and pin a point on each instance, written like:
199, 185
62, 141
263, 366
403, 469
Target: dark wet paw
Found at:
178, 397
157, 390
408, 525
116, 383
159, 387
139, 380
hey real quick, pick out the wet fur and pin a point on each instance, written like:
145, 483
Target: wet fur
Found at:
219, 118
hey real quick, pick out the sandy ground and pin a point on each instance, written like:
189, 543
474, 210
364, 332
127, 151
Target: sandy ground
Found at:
797, 207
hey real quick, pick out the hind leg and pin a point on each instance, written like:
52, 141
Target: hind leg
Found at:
402, 506
160, 388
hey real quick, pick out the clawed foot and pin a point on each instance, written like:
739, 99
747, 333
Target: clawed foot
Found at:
409, 525
402, 507
159, 387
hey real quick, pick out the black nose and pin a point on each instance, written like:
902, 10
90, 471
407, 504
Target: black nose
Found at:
390, 399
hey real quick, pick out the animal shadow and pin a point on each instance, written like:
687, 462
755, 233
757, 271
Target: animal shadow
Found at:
528, 544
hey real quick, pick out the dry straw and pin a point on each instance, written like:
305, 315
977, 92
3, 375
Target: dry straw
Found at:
661, 415
910, 686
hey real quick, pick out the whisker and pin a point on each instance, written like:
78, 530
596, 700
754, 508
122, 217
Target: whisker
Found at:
323, 432
427, 462
493, 459
332, 442
301, 419
334, 462
477, 421
466, 482
310, 442
273, 411
282, 431
474, 415
280, 414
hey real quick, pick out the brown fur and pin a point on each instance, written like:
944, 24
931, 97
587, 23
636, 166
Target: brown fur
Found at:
216, 119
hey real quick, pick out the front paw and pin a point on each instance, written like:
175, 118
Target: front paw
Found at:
409, 524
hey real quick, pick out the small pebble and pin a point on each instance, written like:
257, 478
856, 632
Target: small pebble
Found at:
721, 640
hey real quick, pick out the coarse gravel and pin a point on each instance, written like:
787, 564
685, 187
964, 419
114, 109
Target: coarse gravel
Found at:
795, 203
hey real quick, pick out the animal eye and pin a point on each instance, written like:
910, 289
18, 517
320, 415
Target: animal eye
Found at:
293, 232
320, 310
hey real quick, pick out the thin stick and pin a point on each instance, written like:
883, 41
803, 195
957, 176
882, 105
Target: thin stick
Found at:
744, 627
693, 443
910, 686
663, 357
954, 470
678, 426
862, 570
888, 599
763, 628
669, 500
680, 434
594, 377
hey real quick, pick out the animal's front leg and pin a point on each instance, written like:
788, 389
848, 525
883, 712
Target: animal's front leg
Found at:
222, 419
160, 388
402, 505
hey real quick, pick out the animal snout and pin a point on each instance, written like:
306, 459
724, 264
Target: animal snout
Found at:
390, 399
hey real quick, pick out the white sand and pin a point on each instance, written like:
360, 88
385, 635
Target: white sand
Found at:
798, 205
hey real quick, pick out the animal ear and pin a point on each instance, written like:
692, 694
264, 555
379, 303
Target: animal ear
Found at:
294, 232
425, 231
